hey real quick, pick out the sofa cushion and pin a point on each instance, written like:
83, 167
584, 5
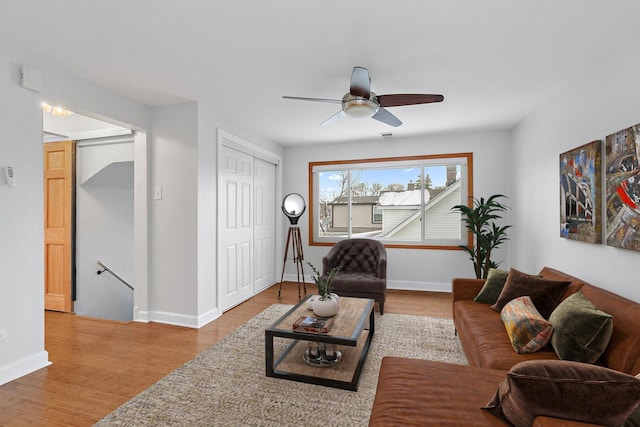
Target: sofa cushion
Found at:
492, 286
354, 282
544, 293
416, 392
528, 331
581, 331
564, 389
482, 334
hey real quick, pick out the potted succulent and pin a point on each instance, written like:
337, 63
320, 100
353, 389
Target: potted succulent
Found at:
327, 304
487, 235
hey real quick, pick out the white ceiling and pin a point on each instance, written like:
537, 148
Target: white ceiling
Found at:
495, 61
77, 127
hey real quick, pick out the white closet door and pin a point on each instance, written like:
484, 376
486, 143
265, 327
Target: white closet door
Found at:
237, 228
264, 190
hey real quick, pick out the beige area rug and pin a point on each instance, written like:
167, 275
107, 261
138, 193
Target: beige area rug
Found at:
226, 385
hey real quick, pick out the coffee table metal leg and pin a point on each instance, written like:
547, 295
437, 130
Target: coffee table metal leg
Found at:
268, 351
372, 322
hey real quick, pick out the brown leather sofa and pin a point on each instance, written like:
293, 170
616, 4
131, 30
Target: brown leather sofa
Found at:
415, 392
363, 269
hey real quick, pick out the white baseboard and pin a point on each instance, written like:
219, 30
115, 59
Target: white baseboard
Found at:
140, 315
208, 317
177, 319
173, 319
199, 321
403, 285
24, 366
419, 286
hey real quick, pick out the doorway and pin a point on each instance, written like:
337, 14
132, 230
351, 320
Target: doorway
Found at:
107, 190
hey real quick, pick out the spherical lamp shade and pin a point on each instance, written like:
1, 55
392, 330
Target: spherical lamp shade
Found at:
293, 206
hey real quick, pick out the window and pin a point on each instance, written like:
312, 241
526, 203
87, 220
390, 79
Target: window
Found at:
377, 214
404, 201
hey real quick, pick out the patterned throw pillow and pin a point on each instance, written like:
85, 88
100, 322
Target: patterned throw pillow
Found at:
528, 331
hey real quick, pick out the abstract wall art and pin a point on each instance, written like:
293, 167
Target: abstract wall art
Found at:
581, 193
623, 189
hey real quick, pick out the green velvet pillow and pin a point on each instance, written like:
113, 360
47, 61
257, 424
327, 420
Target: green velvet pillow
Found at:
633, 420
492, 286
567, 390
544, 293
581, 331
528, 331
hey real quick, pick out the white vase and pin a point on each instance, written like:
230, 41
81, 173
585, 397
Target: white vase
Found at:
325, 307
310, 303
336, 297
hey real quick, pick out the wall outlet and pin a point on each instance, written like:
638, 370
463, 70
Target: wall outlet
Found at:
3, 334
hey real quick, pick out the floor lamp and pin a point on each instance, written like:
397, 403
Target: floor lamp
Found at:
293, 207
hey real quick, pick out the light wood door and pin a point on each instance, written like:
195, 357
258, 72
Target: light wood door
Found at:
264, 189
59, 183
236, 228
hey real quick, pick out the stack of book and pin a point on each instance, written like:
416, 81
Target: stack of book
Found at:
318, 325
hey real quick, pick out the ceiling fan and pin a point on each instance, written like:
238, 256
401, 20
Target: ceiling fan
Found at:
360, 101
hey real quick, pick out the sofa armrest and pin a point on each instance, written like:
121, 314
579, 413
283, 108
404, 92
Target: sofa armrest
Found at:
465, 288
382, 265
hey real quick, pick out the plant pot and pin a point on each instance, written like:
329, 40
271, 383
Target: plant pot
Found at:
335, 296
325, 307
310, 303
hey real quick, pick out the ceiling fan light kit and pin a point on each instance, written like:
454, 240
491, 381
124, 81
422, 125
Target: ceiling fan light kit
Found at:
356, 106
361, 102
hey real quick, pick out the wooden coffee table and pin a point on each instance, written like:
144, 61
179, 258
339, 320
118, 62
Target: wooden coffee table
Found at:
353, 328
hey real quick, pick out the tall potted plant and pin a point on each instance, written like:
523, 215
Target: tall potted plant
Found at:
487, 235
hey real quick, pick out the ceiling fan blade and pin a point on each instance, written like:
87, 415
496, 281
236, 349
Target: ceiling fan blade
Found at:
407, 99
385, 116
360, 83
340, 114
302, 98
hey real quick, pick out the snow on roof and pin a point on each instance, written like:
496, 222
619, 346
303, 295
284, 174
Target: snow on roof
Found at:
402, 198
367, 200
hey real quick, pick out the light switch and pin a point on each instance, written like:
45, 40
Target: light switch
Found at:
157, 192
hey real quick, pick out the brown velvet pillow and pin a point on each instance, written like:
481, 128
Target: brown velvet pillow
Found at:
563, 389
544, 293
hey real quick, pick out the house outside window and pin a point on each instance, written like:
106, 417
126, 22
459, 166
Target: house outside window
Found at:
405, 202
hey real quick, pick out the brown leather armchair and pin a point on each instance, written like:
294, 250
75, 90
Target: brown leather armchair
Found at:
363, 269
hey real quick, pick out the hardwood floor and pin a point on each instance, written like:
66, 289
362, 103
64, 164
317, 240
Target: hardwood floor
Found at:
99, 365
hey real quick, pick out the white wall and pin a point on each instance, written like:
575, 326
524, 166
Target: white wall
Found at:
180, 155
173, 228
21, 225
21, 208
421, 269
605, 99
207, 217
183, 236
